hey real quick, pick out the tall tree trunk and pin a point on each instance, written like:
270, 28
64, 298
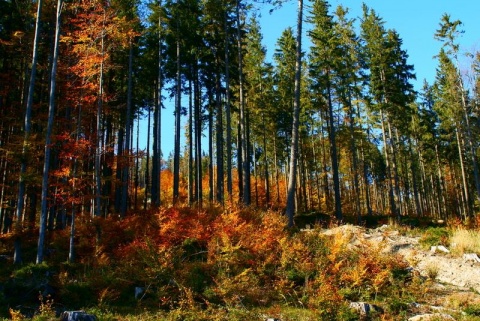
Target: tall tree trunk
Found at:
147, 165
265, 161
391, 197
333, 155
353, 151
394, 169
157, 137
48, 139
210, 150
119, 170
275, 168
466, 196
98, 147
239, 161
414, 173
290, 208
137, 165
441, 183
198, 137
219, 137
71, 250
243, 117
190, 144
176, 152
17, 256
127, 151
325, 183
228, 116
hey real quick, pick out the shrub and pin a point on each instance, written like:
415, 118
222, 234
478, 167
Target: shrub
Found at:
435, 236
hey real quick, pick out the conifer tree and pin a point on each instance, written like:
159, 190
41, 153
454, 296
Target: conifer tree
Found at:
325, 66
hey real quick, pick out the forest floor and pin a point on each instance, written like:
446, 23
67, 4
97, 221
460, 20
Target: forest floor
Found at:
453, 281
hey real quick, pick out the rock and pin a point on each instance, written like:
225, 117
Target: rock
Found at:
77, 316
364, 308
383, 227
431, 317
440, 248
471, 257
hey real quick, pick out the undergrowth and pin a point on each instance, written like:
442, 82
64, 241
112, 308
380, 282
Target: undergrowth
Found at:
191, 264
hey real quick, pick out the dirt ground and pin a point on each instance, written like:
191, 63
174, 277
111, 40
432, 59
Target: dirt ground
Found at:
453, 282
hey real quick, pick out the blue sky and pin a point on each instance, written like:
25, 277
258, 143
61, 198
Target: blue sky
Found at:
415, 20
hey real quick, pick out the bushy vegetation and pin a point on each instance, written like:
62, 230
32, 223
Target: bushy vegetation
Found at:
192, 264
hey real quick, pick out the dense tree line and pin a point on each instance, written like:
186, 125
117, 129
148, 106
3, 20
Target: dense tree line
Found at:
335, 128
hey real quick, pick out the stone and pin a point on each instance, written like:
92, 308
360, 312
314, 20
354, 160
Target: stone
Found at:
77, 316
432, 317
364, 308
440, 248
471, 257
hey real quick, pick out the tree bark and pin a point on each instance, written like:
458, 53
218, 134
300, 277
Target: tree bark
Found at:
48, 139
228, 116
127, 151
333, 155
219, 137
243, 118
290, 208
17, 256
176, 152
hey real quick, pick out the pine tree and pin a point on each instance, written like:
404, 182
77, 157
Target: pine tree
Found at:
325, 66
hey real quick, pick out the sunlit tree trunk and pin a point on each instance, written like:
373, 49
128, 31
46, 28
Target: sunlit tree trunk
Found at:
290, 208
219, 137
391, 197
333, 155
353, 151
176, 152
243, 117
147, 162
98, 128
465, 195
228, 116
198, 137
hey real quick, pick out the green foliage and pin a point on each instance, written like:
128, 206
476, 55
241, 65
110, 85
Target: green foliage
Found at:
78, 294
37, 272
435, 236
472, 310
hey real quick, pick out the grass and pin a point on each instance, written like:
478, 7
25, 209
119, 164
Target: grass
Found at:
432, 271
465, 241
435, 236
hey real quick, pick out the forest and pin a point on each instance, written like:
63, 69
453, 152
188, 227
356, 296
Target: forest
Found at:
330, 132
